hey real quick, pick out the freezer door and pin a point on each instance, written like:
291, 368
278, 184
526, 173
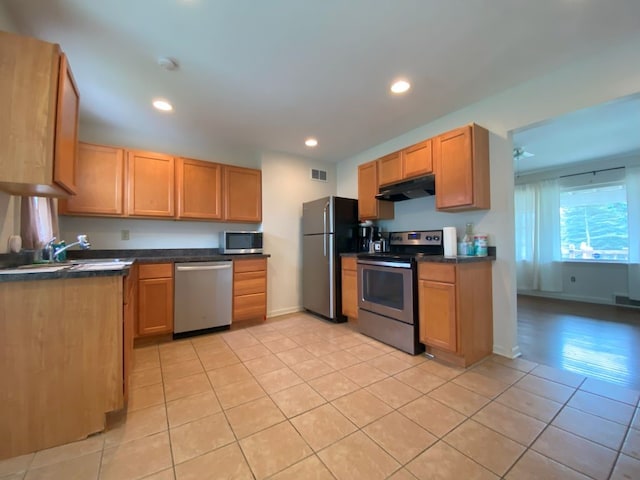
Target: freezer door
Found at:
318, 277
317, 216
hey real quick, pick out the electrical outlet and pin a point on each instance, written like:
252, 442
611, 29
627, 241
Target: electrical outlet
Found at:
124, 234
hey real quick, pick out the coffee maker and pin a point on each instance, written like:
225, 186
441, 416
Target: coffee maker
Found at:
367, 234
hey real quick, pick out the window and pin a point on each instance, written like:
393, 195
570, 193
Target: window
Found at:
593, 221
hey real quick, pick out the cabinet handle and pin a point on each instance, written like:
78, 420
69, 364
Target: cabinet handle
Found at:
209, 267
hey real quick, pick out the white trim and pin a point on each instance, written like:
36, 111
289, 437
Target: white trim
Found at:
283, 311
564, 296
508, 353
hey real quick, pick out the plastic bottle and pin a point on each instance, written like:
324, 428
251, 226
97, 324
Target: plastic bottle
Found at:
467, 240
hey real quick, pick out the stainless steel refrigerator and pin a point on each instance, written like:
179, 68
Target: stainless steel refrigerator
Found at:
329, 228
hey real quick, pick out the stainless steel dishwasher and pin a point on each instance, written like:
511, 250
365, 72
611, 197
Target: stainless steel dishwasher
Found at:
202, 298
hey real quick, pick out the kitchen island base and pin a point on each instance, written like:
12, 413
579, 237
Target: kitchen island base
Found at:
61, 360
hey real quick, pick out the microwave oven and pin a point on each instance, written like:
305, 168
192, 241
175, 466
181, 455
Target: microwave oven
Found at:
240, 242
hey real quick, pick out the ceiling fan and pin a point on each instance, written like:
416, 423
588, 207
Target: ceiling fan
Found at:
520, 153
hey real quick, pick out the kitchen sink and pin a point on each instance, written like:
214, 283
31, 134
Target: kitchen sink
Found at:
109, 264
35, 268
92, 264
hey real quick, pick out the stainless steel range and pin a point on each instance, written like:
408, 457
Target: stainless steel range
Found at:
387, 289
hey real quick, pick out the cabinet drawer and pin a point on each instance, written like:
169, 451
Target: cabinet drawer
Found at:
349, 263
155, 270
438, 272
250, 265
249, 306
249, 282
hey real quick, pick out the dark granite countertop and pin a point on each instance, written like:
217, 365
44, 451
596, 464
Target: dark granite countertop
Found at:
10, 261
439, 258
458, 259
163, 255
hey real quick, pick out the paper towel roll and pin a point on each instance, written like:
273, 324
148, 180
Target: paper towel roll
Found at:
449, 241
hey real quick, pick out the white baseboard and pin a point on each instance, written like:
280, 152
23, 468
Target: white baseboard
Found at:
564, 296
507, 352
283, 311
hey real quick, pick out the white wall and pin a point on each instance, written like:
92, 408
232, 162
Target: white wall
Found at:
286, 185
106, 233
9, 205
611, 74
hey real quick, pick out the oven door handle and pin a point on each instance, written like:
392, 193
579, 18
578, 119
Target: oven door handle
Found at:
382, 263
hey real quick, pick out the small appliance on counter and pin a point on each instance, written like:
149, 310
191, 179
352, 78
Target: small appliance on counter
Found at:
367, 234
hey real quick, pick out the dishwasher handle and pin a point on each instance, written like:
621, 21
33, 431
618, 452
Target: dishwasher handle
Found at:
204, 267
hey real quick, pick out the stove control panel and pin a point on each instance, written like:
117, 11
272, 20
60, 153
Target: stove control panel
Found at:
426, 238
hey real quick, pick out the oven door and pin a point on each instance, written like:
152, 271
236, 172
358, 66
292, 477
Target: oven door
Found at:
386, 288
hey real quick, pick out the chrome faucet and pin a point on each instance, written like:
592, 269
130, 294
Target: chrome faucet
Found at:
48, 249
83, 242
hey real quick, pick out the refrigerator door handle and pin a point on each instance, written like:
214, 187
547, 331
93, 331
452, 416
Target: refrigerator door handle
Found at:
324, 229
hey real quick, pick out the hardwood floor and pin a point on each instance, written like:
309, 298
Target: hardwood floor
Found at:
598, 341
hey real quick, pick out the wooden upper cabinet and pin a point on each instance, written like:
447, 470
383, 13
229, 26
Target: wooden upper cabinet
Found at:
99, 182
417, 160
462, 169
243, 194
150, 184
390, 168
39, 119
411, 162
199, 189
368, 207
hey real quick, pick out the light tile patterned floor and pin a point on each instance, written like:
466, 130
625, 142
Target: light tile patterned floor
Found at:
300, 398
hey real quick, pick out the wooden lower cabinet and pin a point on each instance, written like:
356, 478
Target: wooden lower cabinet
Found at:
456, 312
249, 289
155, 299
349, 287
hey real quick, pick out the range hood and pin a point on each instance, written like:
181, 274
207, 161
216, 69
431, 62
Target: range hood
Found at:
414, 188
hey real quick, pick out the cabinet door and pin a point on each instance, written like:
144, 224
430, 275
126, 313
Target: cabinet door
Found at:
66, 146
243, 194
462, 169
417, 160
100, 182
350, 293
155, 306
150, 184
199, 189
368, 207
438, 326
390, 169
454, 182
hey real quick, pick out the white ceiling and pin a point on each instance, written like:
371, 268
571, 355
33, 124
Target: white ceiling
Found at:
262, 75
607, 130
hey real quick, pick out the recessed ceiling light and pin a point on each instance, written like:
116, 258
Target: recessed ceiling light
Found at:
400, 86
163, 105
311, 142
